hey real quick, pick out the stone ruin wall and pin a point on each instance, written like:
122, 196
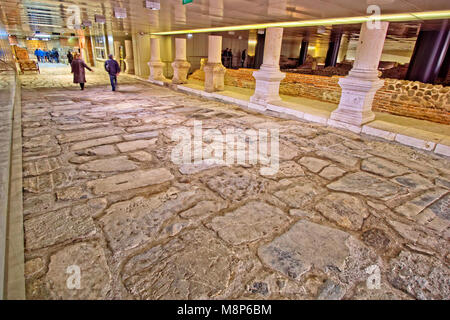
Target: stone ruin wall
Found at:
399, 97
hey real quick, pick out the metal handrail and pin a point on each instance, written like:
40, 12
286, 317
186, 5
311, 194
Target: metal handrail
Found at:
13, 66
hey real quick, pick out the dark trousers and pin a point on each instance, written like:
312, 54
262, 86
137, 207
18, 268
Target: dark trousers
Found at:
82, 86
113, 80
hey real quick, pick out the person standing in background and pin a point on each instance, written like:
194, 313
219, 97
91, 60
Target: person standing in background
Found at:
113, 69
69, 57
230, 58
78, 67
224, 56
243, 57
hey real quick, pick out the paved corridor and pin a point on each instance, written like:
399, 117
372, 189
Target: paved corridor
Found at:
345, 217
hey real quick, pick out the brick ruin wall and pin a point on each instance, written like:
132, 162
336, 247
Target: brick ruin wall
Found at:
399, 97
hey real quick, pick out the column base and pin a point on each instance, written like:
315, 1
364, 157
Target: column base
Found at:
214, 77
267, 88
180, 71
156, 71
355, 107
130, 66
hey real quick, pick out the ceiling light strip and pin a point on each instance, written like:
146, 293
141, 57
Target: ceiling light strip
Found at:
413, 16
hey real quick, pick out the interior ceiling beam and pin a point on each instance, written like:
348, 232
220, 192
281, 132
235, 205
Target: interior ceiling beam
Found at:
412, 16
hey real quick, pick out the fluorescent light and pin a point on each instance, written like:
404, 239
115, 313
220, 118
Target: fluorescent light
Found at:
412, 16
41, 35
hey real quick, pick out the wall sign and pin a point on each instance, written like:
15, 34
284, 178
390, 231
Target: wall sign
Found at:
100, 18
152, 5
120, 13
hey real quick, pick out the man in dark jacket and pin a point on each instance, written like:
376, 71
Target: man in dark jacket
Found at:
113, 68
69, 57
55, 55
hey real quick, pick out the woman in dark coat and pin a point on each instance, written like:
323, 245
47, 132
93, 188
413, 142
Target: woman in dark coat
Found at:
78, 66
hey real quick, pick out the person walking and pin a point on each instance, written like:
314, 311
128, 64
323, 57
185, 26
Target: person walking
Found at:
37, 54
69, 57
78, 67
56, 55
113, 69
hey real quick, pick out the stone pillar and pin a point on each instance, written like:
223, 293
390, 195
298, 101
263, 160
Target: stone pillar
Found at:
303, 52
343, 48
268, 78
117, 50
180, 65
333, 49
129, 60
429, 53
360, 86
155, 64
214, 70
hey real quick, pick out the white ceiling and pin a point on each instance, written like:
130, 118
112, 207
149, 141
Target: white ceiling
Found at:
23, 17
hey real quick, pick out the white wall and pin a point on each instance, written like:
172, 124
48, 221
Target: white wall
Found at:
196, 49
141, 48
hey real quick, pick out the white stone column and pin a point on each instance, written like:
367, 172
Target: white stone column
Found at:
155, 64
180, 65
117, 50
360, 86
129, 60
268, 77
214, 70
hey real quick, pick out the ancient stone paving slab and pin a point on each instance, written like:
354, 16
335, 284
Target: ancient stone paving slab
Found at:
287, 169
341, 158
57, 227
234, 184
109, 165
332, 172
131, 223
251, 222
307, 246
206, 276
39, 167
415, 206
131, 180
95, 142
141, 135
299, 196
107, 150
313, 164
414, 182
135, 145
383, 167
365, 184
95, 281
421, 276
160, 230
87, 134
46, 182
347, 211
141, 156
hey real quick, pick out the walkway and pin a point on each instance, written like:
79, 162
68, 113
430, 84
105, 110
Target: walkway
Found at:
102, 196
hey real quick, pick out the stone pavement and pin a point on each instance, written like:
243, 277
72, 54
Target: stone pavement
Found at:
101, 193
59, 76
